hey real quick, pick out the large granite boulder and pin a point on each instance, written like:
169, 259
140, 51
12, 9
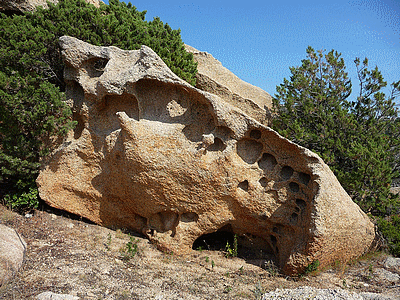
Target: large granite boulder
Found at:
154, 154
213, 77
12, 252
30, 5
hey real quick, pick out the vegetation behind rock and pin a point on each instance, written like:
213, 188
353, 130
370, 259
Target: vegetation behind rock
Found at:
359, 139
32, 111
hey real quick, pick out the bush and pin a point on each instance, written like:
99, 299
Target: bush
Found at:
390, 228
358, 139
32, 109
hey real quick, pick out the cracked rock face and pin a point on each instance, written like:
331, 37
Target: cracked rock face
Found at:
153, 154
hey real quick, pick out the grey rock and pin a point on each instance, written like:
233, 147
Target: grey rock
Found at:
374, 296
307, 292
54, 296
12, 251
385, 275
392, 263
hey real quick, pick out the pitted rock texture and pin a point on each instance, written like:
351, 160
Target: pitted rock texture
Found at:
153, 154
214, 78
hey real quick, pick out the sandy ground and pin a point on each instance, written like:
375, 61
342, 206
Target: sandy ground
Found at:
71, 256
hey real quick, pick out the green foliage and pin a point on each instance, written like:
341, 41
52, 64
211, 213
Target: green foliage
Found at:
312, 267
232, 251
33, 114
212, 265
390, 227
358, 139
23, 199
131, 248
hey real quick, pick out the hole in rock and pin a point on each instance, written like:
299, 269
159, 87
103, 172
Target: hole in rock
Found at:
250, 247
274, 241
244, 185
215, 241
304, 178
79, 126
224, 132
294, 187
164, 221
301, 204
189, 217
263, 181
217, 146
96, 66
249, 150
255, 134
294, 218
267, 162
286, 173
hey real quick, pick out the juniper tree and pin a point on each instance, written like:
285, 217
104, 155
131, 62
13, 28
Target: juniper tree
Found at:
32, 110
358, 138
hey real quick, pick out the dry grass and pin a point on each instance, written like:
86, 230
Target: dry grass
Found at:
71, 256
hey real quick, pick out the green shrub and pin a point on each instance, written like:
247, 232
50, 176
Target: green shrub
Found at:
312, 267
390, 228
28, 199
232, 251
358, 139
33, 114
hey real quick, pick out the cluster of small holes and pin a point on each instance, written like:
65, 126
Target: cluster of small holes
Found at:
250, 150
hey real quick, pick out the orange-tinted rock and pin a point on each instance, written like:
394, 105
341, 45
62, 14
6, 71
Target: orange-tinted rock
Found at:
153, 154
214, 78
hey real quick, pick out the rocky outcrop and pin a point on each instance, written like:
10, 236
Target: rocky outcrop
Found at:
154, 154
30, 5
214, 78
12, 251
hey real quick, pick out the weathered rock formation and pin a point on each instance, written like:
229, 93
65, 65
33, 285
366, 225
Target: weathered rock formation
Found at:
154, 154
30, 5
214, 78
12, 251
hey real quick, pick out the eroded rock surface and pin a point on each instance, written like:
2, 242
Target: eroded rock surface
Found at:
153, 154
214, 78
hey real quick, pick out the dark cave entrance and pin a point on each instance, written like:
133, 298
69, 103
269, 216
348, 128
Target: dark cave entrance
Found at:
251, 248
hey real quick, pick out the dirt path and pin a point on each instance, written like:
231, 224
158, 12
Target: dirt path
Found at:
74, 257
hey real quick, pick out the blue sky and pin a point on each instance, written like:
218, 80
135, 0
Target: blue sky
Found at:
260, 40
